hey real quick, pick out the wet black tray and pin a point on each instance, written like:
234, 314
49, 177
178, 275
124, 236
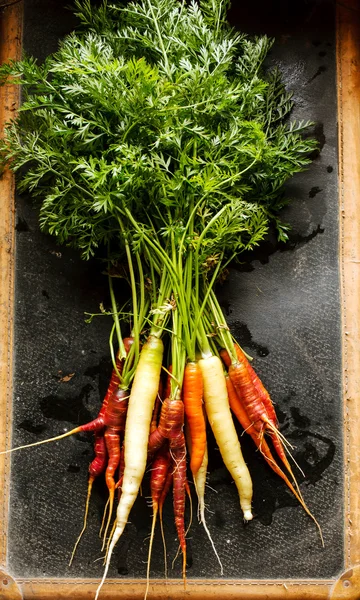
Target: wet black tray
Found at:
283, 306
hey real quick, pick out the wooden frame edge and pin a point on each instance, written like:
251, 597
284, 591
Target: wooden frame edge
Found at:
347, 587
348, 85
10, 47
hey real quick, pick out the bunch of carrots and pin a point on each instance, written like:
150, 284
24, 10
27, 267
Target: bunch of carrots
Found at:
157, 135
160, 422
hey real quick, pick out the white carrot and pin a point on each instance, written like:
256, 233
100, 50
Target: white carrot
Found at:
222, 425
141, 403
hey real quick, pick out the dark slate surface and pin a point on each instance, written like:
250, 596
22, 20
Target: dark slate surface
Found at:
283, 306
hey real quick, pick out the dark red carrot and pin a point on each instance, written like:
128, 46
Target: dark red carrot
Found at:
114, 420
112, 440
96, 467
96, 425
157, 407
121, 470
256, 410
174, 422
159, 472
115, 414
225, 357
170, 424
171, 428
178, 453
158, 436
156, 441
164, 493
114, 379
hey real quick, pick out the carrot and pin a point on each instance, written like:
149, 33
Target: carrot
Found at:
174, 423
257, 403
225, 356
114, 379
259, 386
96, 425
238, 408
256, 381
237, 405
241, 415
96, 467
188, 493
114, 420
121, 470
158, 436
164, 493
170, 424
171, 428
157, 407
141, 403
262, 445
193, 404
245, 389
158, 478
263, 397
220, 419
178, 453
156, 440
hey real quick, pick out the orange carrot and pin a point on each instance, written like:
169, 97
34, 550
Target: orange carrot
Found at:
193, 404
264, 400
256, 410
238, 409
245, 389
241, 414
259, 386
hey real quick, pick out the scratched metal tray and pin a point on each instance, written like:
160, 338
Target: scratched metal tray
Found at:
293, 308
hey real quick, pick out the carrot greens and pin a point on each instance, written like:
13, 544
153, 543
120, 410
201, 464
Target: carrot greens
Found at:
157, 134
